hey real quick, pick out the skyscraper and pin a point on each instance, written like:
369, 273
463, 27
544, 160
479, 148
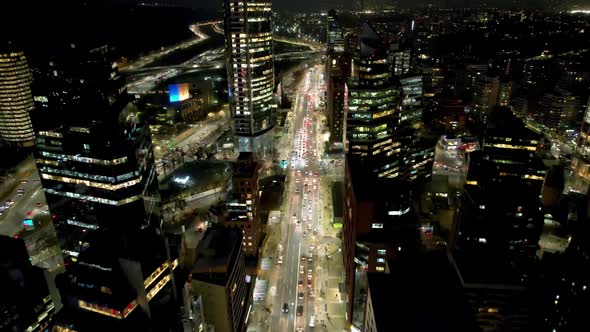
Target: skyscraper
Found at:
374, 104
335, 33
219, 277
250, 70
16, 99
26, 304
94, 155
242, 206
581, 158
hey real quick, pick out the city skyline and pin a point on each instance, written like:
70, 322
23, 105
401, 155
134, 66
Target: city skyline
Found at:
258, 166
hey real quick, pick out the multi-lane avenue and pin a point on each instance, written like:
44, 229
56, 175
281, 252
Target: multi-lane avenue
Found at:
298, 280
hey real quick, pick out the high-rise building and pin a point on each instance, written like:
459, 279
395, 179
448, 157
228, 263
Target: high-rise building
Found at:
337, 72
411, 112
560, 111
378, 223
581, 157
373, 108
219, 277
16, 99
26, 304
400, 62
393, 298
489, 92
242, 205
335, 33
98, 173
250, 70
94, 165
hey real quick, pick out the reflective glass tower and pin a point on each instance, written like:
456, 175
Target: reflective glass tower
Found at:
95, 159
374, 104
16, 100
250, 68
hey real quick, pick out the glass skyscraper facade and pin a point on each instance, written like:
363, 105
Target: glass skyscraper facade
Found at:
374, 104
16, 99
95, 159
250, 68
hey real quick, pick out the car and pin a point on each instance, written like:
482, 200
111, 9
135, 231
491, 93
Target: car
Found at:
20, 192
38, 204
309, 227
9, 202
301, 269
310, 201
24, 181
300, 282
285, 308
300, 295
309, 255
280, 260
303, 257
308, 282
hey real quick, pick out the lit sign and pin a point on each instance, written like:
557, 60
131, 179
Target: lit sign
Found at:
178, 92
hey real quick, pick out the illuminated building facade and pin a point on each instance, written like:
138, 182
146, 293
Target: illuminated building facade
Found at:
26, 302
250, 70
16, 100
95, 159
373, 108
559, 111
337, 73
412, 87
219, 278
242, 205
95, 164
581, 157
335, 34
378, 224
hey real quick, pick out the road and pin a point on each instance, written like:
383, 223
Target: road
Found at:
150, 58
304, 230
25, 205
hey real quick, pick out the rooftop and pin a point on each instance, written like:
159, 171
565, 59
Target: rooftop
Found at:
399, 299
216, 253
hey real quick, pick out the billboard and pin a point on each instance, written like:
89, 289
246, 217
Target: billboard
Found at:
178, 92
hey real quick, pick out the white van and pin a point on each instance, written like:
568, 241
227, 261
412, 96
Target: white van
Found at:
312, 321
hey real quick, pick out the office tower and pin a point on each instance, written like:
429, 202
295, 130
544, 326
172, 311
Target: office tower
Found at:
581, 157
242, 205
393, 298
400, 62
379, 223
95, 159
337, 72
412, 87
25, 304
509, 150
560, 111
373, 108
97, 166
219, 276
250, 70
500, 207
499, 294
16, 99
335, 34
